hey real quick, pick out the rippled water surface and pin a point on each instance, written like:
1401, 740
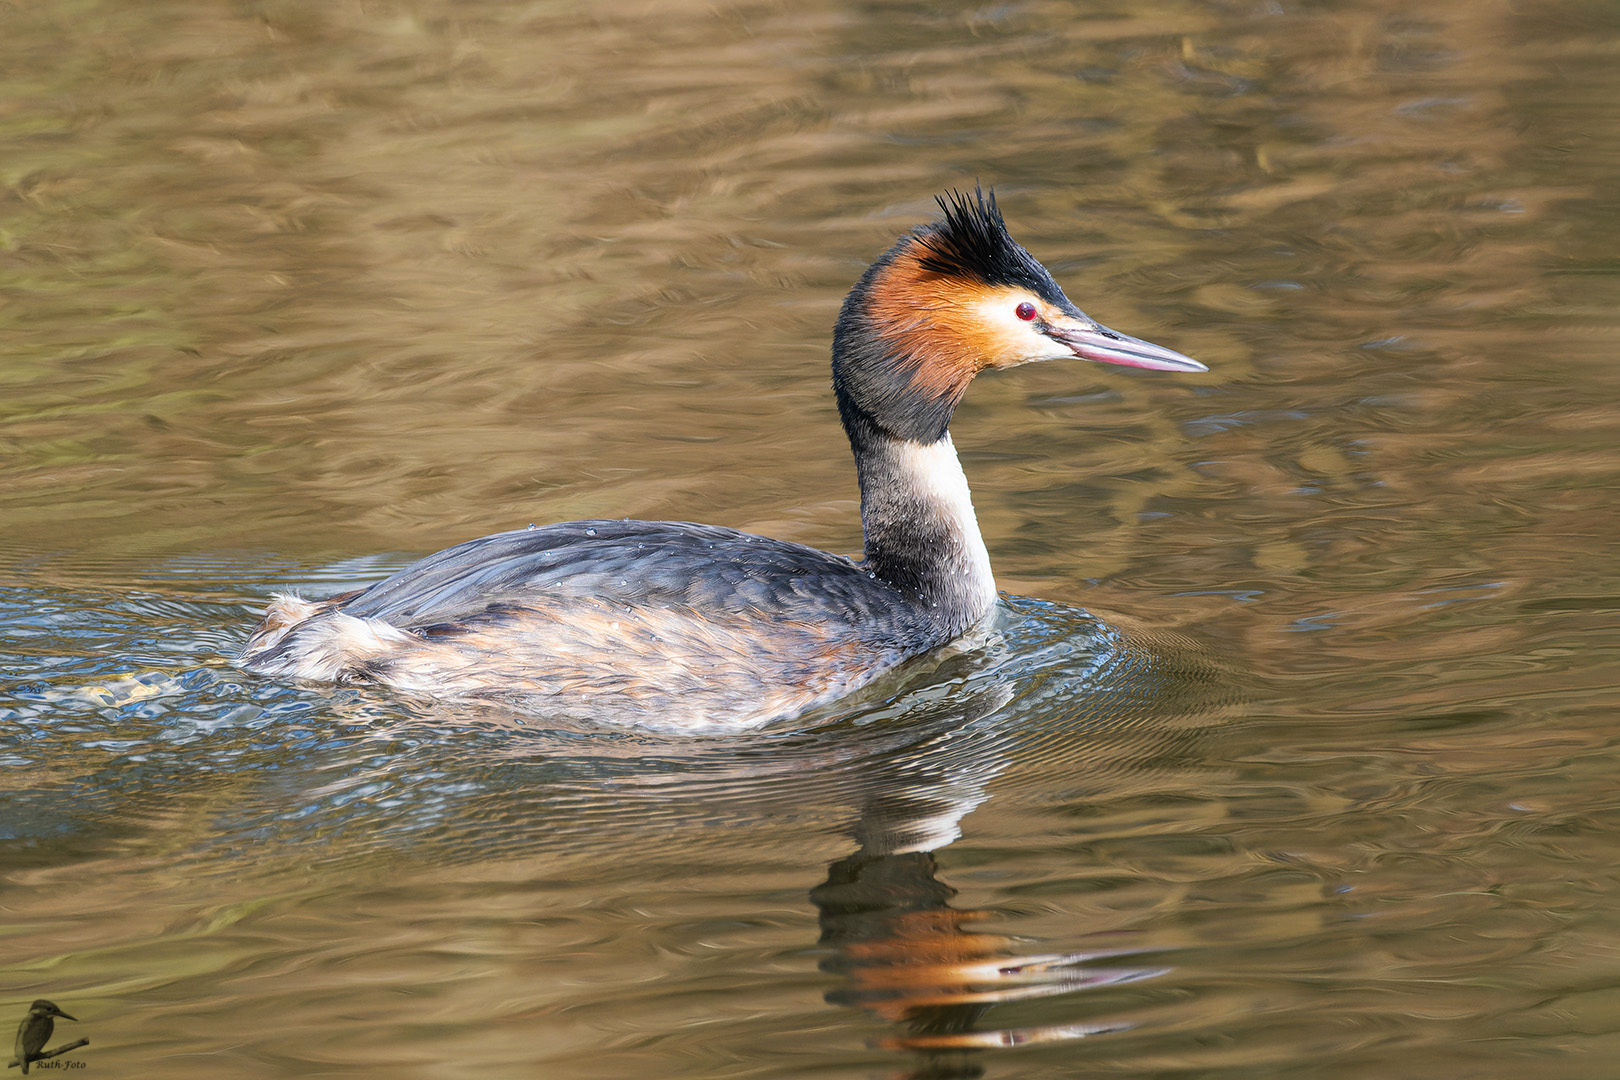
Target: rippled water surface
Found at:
1292, 753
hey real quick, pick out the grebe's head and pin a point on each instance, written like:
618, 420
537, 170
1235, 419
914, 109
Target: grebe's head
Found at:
950, 300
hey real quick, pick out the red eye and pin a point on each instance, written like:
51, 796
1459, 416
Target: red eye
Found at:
1025, 311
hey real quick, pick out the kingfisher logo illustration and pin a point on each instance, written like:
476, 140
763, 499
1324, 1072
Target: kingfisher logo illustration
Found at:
35, 1031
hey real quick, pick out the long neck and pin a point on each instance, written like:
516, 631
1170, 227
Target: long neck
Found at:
921, 535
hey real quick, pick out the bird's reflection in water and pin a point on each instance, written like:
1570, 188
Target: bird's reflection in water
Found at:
1054, 699
908, 956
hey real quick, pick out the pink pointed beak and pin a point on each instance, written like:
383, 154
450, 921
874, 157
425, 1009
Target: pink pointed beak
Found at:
1105, 346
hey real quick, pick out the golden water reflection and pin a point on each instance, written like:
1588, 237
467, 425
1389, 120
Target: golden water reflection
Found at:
292, 291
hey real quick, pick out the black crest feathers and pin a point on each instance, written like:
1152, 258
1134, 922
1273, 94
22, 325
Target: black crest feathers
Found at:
972, 242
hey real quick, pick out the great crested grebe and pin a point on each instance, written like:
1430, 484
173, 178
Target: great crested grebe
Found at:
672, 625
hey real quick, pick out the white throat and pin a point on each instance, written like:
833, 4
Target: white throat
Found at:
938, 475
917, 509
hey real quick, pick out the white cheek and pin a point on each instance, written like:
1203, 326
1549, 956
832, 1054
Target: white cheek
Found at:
1019, 340
1044, 348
